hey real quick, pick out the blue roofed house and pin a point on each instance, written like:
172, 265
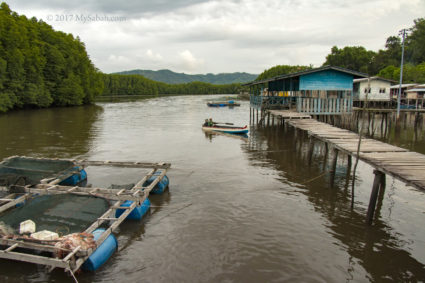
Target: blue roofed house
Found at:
321, 91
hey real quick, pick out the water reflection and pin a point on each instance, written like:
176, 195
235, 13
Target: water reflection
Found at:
52, 132
286, 150
211, 135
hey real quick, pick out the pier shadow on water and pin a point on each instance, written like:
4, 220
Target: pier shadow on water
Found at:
379, 249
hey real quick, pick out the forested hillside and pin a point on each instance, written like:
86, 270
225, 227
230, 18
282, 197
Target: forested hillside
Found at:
41, 67
170, 77
115, 84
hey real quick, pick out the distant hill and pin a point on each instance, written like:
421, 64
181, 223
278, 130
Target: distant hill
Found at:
171, 77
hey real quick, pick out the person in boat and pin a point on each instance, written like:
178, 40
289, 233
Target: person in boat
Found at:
206, 123
210, 123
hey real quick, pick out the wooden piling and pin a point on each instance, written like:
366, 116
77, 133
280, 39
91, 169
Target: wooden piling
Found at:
334, 160
333, 166
250, 115
310, 149
347, 175
374, 195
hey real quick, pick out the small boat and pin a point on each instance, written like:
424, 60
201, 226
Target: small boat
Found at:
226, 129
211, 135
229, 103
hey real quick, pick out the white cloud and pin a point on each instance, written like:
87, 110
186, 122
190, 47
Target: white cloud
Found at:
189, 62
153, 56
227, 35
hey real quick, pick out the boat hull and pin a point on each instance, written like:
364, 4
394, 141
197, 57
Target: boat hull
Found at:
222, 103
229, 130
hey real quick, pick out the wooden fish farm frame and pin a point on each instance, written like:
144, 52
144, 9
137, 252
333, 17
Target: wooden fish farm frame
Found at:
43, 252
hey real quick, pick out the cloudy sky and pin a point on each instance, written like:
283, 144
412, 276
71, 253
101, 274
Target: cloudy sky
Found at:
203, 36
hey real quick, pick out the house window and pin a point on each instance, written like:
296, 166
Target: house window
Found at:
382, 90
367, 90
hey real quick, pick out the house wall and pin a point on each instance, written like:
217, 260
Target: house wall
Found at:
412, 95
326, 80
375, 86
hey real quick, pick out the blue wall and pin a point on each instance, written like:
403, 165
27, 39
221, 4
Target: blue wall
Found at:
326, 80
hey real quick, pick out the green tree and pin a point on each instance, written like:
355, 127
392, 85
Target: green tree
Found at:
355, 58
415, 43
40, 67
281, 70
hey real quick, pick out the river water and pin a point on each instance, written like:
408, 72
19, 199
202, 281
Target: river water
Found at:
238, 209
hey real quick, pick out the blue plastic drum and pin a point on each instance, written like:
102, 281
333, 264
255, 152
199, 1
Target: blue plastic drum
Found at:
137, 212
102, 253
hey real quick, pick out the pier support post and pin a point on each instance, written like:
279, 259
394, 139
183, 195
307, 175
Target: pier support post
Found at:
250, 115
257, 115
380, 196
310, 150
347, 176
377, 184
325, 156
333, 166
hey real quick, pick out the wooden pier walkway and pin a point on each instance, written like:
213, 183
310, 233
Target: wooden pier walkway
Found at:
402, 164
286, 114
398, 162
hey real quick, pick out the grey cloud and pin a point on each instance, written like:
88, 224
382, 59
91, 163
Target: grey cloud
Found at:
125, 8
226, 35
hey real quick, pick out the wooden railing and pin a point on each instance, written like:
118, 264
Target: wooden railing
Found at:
307, 105
270, 102
322, 106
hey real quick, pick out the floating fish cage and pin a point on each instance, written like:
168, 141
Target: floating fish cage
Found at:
45, 210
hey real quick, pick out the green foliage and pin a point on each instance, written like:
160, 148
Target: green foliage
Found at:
411, 73
355, 58
382, 62
415, 43
170, 77
281, 70
40, 67
115, 84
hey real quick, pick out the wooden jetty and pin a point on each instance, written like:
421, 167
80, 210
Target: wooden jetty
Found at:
35, 250
407, 166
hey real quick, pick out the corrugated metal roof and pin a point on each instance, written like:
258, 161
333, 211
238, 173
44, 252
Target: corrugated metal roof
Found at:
297, 74
403, 85
373, 78
416, 90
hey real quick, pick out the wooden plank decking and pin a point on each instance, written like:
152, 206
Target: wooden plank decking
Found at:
287, 114
400, 163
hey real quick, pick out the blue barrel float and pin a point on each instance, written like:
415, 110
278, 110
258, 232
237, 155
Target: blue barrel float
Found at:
161, 186
102, 253
137, 212
76, 178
